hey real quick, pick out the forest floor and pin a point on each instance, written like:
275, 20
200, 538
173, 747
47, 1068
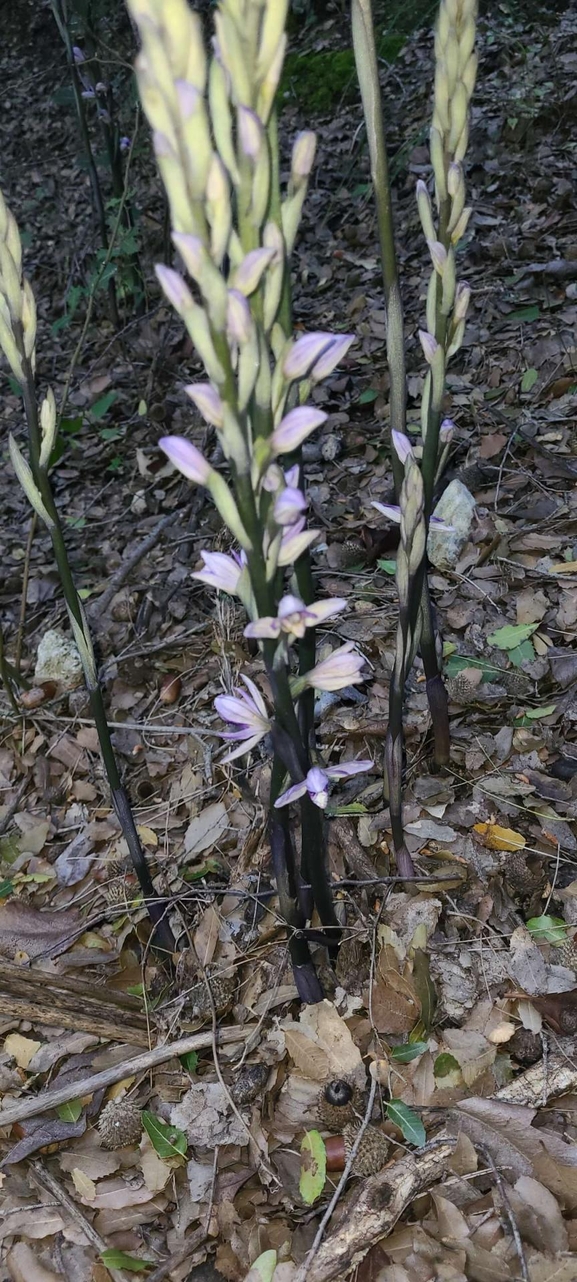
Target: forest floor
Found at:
462, 996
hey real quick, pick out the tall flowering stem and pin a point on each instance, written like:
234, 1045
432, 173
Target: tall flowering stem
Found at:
444, 223
18, 342
215, 140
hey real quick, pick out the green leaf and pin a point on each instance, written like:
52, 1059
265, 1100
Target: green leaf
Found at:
522, 653
6, 888
537, 714
550, 930
313, 1166
189, 1061
71, 426
529, 379
368, 396
102, 405
166, 1140
111, 433
410, 1126
459, 662
446, 1064
512, 635
389, 567
351, 808
70, 1111
114, 1259
404, 1054
523, 314
264, 1266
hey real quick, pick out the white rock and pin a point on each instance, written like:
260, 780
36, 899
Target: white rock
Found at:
455, 508
58, 660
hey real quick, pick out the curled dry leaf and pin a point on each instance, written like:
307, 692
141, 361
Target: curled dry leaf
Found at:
321, 1045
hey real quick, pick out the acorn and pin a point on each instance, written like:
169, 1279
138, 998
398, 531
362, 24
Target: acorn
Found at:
336, 1104
119, 1124
249, 1084
371, 1154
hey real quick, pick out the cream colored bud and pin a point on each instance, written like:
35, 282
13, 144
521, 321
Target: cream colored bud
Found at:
232, 56
443, 26
455, 179
272, 33
460, 227
425, 404
10, 282
456, 339
28, 319
270, 83
24, 474
425, 211
462, 144
459, 108
449, 284
48, 425
451, 61
462, 300
221, 118
273, 284
466, 41
438, 256
12, 238
303, 156
218, 209
225, 504
438, 163
442, 94
469, 74
8, 346
431, 310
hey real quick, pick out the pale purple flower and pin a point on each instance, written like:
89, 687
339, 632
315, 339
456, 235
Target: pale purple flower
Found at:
186, 458
342, 668
220, 571
192, 252
295, 541
294, 428
401, 445
292, 476
318, 780
124, 143
429, 345
188, 98
272, 479
250, 271
288, 506
78, 54
247, 712
316, 355
294, 617
207, 400
174, 287
446, 431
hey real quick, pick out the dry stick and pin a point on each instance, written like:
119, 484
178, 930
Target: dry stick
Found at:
488, 1156
101, 604
302, 1273
108, 1076
46, 1180
192, 1243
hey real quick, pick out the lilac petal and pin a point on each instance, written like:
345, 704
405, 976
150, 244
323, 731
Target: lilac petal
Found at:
349, 768
292, 477
239, 323
290, 605
242, 749
174, 288
320, 799
267, 628
220, 571
249, 272
323, 610
316, 779
291, 794
288, 506
429, 345
207, 400
295, 544
401, 445
186, 458
389, 510
295, 427
304, 353
333, 357
250, 132
256, 696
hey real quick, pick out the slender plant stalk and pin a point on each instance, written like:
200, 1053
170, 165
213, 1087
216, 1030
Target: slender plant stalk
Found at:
446, 308
367, 70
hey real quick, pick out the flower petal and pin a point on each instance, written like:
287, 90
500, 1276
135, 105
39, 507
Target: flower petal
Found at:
291, 794
348, 769
389, 510
186, 458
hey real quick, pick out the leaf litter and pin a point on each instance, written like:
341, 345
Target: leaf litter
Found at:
457, 1001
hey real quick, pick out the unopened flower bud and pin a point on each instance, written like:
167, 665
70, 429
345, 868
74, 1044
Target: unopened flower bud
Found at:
401, 445
303, 155
429, 345
48, 425
446, 431
250, 271
174, 287
462, 300
295, 427
438, 256
239, 322
250, 133
207, 400
425, 210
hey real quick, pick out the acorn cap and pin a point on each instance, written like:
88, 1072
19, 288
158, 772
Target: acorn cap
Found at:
222, 988
120, 1123
372, 1152
338, 1103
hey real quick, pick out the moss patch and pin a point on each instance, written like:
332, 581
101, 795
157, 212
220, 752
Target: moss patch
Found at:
319, 80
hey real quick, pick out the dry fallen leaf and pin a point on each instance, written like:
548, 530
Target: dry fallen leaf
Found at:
23, 1266
22, 1049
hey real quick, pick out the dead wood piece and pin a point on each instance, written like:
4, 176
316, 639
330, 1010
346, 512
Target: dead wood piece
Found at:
545, 1080
343, 832
372, 1212
63, 1003
131, 1064
17, 1008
